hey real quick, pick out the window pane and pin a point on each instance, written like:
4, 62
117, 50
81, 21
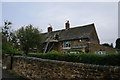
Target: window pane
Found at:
66, 44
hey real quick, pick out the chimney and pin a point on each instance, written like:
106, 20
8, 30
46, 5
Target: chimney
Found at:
67, 25
50, 29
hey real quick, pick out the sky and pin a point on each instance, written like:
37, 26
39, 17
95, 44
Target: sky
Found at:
40, 14
119, 19
59, 0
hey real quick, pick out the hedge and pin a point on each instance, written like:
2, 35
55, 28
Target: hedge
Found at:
90, 58
99, 59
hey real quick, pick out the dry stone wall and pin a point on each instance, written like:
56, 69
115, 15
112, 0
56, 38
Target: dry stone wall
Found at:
44, 69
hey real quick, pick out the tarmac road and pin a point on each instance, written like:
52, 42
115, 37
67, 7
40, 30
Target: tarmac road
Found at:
7, 76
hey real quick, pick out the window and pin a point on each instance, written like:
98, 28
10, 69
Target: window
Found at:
66, 45
100, 52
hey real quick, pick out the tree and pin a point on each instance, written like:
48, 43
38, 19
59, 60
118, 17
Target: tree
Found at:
118, 43
6, 31
14, 40
29, 37
6, 38
106, 44
111, 45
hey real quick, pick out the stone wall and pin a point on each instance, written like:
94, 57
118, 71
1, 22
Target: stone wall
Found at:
97, 47
94, 37
6, 61
44, 69
73, 43
92, 47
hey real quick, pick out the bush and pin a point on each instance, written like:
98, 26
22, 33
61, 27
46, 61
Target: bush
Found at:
100, 59
7, 49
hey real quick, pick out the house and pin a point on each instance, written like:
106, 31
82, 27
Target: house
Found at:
74, 40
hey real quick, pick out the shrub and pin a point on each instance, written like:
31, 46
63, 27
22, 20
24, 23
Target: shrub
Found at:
7, 49
100, 59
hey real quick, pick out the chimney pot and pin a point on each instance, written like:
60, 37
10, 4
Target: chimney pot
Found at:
50, 29
67, 25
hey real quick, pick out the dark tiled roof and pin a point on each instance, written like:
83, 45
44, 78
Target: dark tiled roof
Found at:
71, 33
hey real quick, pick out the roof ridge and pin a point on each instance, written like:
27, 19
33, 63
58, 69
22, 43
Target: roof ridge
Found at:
71, 28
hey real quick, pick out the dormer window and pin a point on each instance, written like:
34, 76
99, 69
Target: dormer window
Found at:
66, 45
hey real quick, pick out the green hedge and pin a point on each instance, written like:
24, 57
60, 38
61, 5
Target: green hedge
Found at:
11, 52
100, 59
90, 58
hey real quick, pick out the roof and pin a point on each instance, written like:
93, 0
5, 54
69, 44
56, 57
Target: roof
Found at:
71, 33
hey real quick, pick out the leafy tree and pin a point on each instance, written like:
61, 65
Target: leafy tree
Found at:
118, 43
6, 38
111, 45
106, 44
6, 31
14, 40
29, 37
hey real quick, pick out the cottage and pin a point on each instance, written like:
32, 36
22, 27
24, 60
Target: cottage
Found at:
74, 40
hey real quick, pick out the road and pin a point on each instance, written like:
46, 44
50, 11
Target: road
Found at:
6, 75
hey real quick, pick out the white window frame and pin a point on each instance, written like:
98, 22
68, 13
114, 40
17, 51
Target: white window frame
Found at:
67, 45
100, 52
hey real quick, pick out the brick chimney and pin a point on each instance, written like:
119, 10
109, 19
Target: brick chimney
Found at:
50, 29
67, 25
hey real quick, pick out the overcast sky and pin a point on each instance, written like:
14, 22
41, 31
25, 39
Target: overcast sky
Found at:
103, 14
